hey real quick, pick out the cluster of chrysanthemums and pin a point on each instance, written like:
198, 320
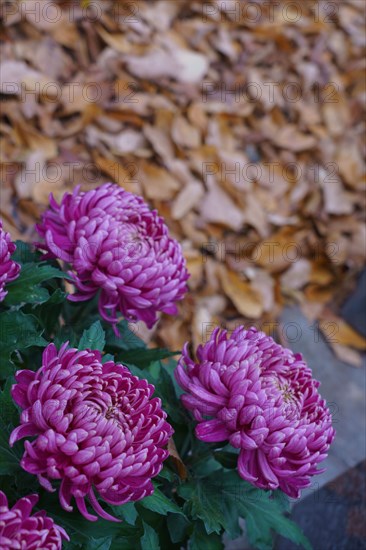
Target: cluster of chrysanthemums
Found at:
97, 428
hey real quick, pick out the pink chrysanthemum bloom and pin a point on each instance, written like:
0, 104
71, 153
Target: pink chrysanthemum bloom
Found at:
116, 244
9, 270
96, 426
19, 530
262, 398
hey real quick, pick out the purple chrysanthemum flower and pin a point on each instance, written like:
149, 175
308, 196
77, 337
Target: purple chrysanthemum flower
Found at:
9, 270
116, 244
20, 530
95, 426
262, 398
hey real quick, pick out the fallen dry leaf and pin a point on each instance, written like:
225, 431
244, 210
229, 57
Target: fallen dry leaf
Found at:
187, 199
338, 331
246, 299
217, 207
185, 134
16, 77
157, 183
290, 138
178, 462
183, 65
297, 275
348, 355
247, 136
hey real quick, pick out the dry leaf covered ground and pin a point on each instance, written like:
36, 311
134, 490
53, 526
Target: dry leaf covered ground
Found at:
240, 121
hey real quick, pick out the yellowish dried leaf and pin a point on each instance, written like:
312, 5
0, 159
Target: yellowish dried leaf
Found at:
157, 183
339, 332
178, 462
247, 300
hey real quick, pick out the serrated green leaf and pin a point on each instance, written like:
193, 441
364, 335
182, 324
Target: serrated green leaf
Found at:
165, 389
150, 539
127, 512
25, 253
70, 545
99, 544
49, 312
128, 338
144, 357
160, 504
18, 331
79, 528
204, 503
65, 334
26, 288
178, 527
125, 543
200, 540
167, 474
226, 459
107, 357
221, 498
93, 338
9, 418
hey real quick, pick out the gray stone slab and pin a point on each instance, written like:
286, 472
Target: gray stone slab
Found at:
354, 309
335, 520
344, 388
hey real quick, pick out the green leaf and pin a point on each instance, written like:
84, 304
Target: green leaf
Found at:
79, 528
167, 474
65, 334
18, 331
221, 498
126, 512
144, 357
166, 391
93, 338
128, 338
70, 545
159, 503
26, 288
49, 312
203, 503
107, 357
125, 543
25, 253
150, 539
99, 544
227, 460
178, 527
9, 418
200, 540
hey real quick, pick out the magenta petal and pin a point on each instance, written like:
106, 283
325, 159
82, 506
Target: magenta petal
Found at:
212, 431
25, 430
243, 467
80, 502
266, 470
99, 510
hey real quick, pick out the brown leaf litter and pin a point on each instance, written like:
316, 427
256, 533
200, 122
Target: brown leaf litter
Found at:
240, 122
